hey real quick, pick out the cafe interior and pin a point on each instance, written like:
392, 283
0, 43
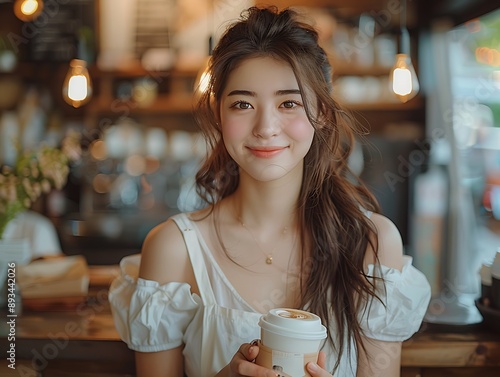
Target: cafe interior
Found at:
98, 145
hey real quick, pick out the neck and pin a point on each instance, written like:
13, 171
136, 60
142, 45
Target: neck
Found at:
266, 207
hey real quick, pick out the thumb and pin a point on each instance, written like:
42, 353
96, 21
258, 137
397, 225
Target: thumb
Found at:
315, 370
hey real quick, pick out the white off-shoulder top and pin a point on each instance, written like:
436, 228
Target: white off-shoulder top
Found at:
151, 317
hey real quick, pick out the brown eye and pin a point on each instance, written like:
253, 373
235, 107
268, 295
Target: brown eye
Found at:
241, 105
289, 104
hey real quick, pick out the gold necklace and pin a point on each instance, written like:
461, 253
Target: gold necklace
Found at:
268, 256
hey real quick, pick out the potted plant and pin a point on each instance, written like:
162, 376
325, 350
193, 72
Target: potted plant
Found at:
35, 172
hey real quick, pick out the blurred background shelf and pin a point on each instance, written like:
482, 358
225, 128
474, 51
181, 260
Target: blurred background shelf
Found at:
414, 104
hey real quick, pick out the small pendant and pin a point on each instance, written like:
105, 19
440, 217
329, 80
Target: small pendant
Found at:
269, 260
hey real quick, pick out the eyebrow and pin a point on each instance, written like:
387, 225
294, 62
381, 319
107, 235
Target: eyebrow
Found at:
253, 94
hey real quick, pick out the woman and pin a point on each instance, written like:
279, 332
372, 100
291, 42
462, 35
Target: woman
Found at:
284, 226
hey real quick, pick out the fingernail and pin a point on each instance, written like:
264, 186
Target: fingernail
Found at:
250, 350
313, 367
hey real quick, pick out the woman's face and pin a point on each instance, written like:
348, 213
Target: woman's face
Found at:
264, 124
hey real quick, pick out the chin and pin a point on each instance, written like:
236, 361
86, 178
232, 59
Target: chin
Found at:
270, 173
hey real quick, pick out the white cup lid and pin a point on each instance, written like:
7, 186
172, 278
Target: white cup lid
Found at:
293, 323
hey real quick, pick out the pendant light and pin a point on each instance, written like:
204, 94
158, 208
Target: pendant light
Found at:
28, 10
77, 87
403, 79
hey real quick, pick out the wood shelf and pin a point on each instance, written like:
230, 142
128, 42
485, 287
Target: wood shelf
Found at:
173, 104
136, 70
349, 8
344, 69
174, 92
414, 104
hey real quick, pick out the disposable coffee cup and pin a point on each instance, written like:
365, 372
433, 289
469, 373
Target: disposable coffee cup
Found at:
289, 340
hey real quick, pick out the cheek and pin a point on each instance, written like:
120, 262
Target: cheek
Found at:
300, 130
232, 130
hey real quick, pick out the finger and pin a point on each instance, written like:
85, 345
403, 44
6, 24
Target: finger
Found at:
322, 359
247, 368
243, 365
316, 371
249, 351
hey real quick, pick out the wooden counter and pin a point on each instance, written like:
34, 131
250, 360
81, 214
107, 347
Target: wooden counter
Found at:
88, 344
84, 342
436, 352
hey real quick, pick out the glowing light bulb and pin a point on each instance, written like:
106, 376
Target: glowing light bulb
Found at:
77, 87
28, 10
29, 7
402, 84
403, 79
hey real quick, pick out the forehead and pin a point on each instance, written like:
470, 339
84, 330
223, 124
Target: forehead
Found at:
260, 74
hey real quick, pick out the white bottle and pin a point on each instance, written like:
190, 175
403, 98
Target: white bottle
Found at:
485, 274
495, 281
428, 225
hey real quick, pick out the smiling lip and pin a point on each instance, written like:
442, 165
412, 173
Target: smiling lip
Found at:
266, 152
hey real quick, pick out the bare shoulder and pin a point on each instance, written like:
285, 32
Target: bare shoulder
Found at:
390, 244
164, 256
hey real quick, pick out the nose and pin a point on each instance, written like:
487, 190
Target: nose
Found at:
267, 124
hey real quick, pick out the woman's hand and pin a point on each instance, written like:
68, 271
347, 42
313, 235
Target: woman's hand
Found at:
318, 370
242, 363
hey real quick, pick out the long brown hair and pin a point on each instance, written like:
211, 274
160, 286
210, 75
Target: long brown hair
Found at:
330, 205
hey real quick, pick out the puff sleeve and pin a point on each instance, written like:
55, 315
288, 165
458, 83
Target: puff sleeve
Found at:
150, 317
405, 297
